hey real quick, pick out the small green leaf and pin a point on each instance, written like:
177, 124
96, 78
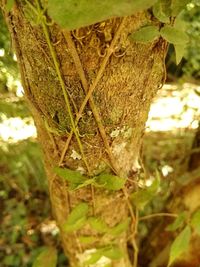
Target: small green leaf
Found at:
142, 197
74, 14
179, 51
71, 176
48, 258
9, 5
110, 182
113, 253
162, 11
87, 239
76, 218
195, 221
178, 5
68, 228
94, 257
83, 184
180, 244
98, 225
120, 228
145, 34
173, 35
179, 221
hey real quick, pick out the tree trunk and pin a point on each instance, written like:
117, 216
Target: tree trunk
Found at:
125, 77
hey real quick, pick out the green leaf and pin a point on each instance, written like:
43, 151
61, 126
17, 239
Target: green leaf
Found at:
110, 182
173, 35
180, 244
113, 253
83, 184
179, 221
142, 197
48, 258
74, 14
68, 228
9, 5
178, 5
76, 218
120, 228
145, 34
162, 11
98, 225
195, 221
69, 175
87, 239
94, 257
179, 51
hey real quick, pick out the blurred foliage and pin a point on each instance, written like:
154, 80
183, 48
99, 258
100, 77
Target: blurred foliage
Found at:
189, 68
8, 64
24, 206
192, 56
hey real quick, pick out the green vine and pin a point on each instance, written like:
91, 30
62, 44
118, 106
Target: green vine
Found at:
41, 18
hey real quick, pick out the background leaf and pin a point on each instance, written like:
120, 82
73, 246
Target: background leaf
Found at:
145, 34
180, 244
74, 14
47, 258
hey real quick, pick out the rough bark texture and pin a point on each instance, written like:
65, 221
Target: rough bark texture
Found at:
131, 78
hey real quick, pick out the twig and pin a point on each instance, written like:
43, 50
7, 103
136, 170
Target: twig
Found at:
162, 214
89, 90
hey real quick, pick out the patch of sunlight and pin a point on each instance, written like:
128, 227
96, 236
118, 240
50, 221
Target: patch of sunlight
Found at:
2, 52
20, 90
15, 129
175, 108
166, 170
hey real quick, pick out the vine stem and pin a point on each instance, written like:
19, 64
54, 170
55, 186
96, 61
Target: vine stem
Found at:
135, 246
162, 214
89, 90
62, 84
98, 119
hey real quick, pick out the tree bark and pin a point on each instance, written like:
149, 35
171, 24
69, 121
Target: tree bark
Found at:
123, 93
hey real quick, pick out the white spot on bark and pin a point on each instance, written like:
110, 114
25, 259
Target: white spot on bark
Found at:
125, 131
75, 155
115, 133
118, 148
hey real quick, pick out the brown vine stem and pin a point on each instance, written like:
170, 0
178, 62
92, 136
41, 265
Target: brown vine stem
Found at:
89, 90
89, 97
162, 214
